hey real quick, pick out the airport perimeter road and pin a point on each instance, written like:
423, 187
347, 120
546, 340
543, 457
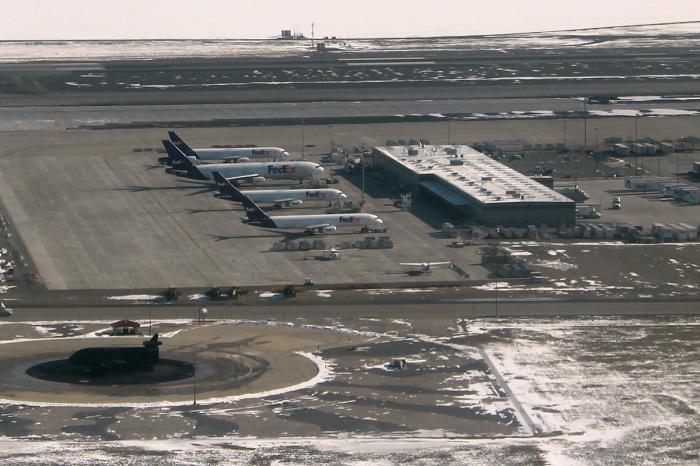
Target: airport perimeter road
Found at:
349, 310
38, 118
35, 118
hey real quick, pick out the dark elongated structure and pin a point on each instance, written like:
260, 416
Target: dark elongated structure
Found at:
118, 358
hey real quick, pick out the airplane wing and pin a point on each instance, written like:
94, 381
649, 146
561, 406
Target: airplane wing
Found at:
280, 201
439, 263
320, 225
242, 177
413, 264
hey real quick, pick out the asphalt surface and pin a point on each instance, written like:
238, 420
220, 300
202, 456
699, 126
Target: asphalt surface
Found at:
96, 117
412, 307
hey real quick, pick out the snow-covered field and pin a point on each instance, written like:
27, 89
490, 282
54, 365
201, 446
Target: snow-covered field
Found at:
620, 390
597, 390
682, 35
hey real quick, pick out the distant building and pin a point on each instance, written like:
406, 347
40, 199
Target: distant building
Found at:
125, 327
478, 188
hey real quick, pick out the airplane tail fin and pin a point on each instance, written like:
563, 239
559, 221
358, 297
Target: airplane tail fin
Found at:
153, 342
226, 188
180, 161
255, 214
182, 145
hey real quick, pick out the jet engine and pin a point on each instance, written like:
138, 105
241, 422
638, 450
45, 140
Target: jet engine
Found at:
329, 229
258, 180
295, 203
239, 160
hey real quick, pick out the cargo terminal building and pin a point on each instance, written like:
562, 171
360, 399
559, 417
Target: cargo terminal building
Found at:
477, 187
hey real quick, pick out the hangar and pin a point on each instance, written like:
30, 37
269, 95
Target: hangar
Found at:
477, 187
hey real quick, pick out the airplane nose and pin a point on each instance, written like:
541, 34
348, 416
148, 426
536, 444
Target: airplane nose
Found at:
343, 196
379, 220
319, 169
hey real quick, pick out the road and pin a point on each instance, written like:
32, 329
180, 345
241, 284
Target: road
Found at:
288, 311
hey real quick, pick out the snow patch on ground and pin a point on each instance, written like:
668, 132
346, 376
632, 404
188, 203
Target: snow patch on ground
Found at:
556, 265
138, 298
198, 297
382, 291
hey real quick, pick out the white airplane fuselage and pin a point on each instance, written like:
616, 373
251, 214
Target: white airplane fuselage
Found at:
271, 170
306, 222
280, 195
275, 153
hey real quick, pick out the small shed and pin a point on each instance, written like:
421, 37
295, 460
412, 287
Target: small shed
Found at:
125, 327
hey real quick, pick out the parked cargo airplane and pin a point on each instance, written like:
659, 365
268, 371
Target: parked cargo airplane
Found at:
278, 197
256, 172
323, 223
229, 154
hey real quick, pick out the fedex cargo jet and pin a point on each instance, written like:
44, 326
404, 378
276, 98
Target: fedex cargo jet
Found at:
278, 197
228, 154
323, 223
256, 172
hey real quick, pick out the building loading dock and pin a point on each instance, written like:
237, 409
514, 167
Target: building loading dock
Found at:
477, 187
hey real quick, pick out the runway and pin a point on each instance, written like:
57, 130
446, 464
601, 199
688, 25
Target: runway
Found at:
97, 117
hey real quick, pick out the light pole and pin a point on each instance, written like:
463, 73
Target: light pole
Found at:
496, 298
303, 136
362, 203
596, 139
564, 134
194, 378
585, 126
636, 142
449, 131
643, 157
150, 321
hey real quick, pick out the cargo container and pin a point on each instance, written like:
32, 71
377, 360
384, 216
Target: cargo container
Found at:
692, 196
637, 183
679, 233
588, 210
667, 148
638, 149
662, 231
621, 150
692, 231
677, 191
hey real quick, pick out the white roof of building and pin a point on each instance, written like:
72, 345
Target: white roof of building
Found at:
474, 174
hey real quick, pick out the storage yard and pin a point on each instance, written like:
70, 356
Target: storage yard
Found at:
95, 210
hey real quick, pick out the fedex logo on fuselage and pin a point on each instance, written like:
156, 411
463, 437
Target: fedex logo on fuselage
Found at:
282, 169
315, 194
260, 152
349, 219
